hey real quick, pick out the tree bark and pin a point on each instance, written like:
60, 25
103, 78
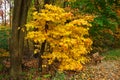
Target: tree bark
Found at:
17, 38
49, 1
37, 5
39, 54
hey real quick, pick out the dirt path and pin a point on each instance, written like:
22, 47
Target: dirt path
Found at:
107, 70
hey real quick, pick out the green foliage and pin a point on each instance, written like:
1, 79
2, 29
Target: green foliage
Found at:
31, 74
59, 76
106, 18
112, 55
1, 67
4, 77
4, 36
83, 5
46, 75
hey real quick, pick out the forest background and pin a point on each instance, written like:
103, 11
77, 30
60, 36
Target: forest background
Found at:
63, 37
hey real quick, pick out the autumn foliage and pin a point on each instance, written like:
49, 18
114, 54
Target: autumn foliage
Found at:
66, 34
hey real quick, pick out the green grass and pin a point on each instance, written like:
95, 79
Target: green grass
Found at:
112, 55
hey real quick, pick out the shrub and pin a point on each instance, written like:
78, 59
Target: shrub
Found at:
66, 33
107, 19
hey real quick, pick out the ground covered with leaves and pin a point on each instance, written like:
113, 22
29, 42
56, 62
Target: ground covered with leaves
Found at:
106, 70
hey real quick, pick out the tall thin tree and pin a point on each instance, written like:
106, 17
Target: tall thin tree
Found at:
17, 38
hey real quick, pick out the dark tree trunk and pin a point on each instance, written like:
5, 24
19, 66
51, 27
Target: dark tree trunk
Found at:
49, 1
37, 5
43, 44
17, 38
39, 54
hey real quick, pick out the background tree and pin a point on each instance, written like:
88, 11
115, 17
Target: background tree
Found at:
39, 54
10, 3
5, 12
17, 38
67, 42
105, 23
1, 10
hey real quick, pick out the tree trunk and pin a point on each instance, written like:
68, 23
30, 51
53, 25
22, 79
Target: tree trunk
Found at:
17, 38
37, 5
49, 1
5, 13
39, 54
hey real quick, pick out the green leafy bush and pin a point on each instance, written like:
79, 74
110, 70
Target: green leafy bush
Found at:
4, 36
106, 19
59, 76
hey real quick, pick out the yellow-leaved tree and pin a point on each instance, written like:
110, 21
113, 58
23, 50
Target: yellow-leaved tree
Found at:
66, 33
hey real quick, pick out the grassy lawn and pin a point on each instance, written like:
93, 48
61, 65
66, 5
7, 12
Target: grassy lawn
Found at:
112, 54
